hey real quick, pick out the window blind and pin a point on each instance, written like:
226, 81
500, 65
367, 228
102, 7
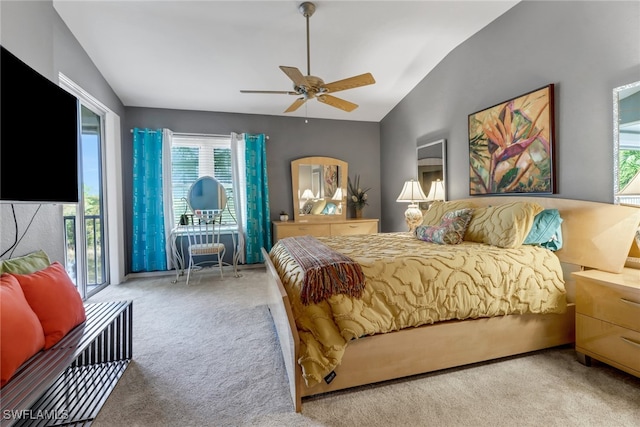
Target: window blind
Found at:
197, 156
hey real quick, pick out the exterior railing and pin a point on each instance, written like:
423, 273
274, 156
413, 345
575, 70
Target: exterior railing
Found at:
95, 256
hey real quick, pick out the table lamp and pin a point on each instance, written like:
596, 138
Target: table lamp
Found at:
436, 192
412, 193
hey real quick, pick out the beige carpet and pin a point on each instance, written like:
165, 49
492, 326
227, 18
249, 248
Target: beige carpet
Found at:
207, 355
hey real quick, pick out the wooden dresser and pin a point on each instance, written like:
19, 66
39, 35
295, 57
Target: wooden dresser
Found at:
608, 318
335, 228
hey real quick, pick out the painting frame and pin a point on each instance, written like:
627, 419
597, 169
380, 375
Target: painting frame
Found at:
512, 146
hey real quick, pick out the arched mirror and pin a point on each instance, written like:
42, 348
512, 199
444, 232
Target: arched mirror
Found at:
207, 193
319, 189
432, 175
626, 144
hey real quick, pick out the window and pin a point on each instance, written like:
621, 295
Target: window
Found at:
193, 157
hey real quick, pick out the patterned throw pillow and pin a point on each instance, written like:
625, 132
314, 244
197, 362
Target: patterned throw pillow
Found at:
438, 208
450, 231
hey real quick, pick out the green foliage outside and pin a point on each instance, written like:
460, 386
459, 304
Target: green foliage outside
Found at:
93, 236
628, 167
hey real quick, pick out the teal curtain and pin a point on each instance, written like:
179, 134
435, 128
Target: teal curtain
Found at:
149, 253
258, 231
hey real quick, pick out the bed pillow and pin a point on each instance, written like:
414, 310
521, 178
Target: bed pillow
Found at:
438, 208
505, 226
25, 264
450, 231
55, 300
329, 209
21, 333
306, 209
546, 230
318, 206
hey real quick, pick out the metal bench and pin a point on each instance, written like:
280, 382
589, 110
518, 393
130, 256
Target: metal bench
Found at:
68, 383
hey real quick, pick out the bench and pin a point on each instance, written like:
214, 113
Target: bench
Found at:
68, 383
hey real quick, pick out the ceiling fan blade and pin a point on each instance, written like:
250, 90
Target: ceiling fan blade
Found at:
337, 102
296, 104
350, 83
294, 74
284, 92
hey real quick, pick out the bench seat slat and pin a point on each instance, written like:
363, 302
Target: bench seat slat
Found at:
73, 379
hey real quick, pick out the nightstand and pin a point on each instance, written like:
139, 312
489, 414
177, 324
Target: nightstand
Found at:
608, 318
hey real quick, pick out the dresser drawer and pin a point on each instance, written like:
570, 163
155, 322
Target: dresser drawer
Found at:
316, 230
607, 342
614, 304
345, 229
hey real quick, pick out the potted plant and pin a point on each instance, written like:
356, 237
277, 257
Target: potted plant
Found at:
357, 195
284, 216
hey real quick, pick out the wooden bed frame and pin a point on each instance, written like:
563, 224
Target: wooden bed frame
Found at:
595, 235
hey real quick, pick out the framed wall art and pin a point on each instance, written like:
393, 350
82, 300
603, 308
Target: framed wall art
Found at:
511, 146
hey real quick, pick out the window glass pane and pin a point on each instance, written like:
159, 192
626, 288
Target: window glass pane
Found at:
194, 157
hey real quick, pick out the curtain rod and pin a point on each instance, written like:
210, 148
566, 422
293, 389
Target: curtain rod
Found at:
199, 134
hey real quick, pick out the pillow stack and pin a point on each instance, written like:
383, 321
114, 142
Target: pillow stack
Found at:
508, 225
39, 305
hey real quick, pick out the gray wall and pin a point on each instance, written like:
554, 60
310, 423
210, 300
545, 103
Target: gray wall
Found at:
357, 143
584, 48
33, 31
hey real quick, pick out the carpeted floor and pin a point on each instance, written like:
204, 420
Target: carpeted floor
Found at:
208, 355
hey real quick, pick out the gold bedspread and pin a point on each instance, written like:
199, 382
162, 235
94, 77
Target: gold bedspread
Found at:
411, 283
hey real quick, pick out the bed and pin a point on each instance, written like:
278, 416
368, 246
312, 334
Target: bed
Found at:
372, 348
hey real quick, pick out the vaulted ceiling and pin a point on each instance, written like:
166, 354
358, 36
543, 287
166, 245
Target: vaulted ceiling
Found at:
198, 55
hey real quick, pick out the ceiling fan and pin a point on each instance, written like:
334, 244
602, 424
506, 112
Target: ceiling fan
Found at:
309, 87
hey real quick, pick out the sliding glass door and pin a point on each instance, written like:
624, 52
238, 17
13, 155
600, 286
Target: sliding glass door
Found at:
85, 227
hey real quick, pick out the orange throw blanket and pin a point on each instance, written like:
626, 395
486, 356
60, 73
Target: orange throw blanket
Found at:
326, 272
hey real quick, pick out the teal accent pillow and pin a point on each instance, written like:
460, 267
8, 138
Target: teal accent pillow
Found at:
546, 230
26, 264
329, 209
450, 231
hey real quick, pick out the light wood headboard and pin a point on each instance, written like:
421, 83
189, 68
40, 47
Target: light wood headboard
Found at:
595, 235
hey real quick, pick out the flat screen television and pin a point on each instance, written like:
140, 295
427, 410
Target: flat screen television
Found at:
39, 136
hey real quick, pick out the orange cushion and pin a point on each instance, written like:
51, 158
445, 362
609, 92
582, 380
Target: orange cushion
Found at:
21, 333
55, 300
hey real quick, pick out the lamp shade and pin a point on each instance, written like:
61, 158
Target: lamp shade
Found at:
307, 194
337, 195
411, 192
436, 192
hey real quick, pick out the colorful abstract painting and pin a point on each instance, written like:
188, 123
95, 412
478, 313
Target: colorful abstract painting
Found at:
511, 146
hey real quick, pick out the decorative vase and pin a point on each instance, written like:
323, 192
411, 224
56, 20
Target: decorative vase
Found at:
358, 213
284, 217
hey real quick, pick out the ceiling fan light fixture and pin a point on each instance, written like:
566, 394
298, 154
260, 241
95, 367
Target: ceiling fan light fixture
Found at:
314, 87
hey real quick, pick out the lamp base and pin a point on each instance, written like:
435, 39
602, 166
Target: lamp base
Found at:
413, 216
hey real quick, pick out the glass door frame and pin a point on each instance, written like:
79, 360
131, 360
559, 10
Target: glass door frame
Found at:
81, 226
81, 267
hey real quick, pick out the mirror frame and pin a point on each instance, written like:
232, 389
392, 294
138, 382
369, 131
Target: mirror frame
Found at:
222, 194
443, 155
343, 168
616, 141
